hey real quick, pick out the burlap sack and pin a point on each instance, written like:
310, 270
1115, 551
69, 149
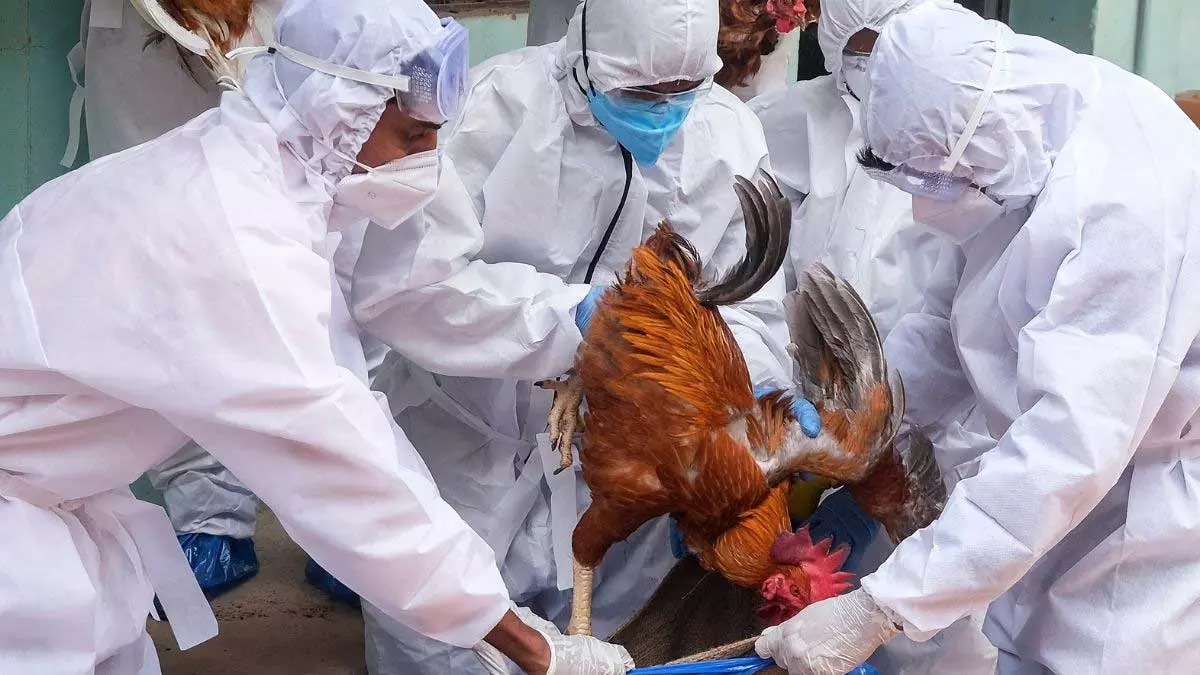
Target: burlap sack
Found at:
691, 612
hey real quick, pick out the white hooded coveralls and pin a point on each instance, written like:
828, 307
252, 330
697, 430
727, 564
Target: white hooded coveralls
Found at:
548, 21
1075, 325
181, 289
860, 228
863, 230
134, 90
545, 181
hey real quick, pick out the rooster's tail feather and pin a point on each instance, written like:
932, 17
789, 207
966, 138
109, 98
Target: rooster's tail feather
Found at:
836, 347
926, 491
768, 216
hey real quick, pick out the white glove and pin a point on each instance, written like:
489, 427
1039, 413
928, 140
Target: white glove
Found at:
569, 654
831, 637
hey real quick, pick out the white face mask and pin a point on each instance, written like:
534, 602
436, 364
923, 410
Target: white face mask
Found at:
961, 219
391, 193
854, 72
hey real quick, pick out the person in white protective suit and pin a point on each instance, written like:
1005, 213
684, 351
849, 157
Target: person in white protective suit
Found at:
206, 308
141, 84
548, 21
863, 230
138, 89
860, 228
562, 205
1071, 187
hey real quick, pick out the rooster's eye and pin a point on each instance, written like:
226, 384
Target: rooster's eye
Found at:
795, 590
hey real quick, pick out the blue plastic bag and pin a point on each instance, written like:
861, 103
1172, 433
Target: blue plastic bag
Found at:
743, 666
219, 562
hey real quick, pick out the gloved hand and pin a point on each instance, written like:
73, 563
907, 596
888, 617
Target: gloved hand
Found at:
679, 547
585, 309
831, 637
841, 518
569, 654
805, 412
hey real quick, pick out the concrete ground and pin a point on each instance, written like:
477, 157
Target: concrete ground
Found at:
275, 624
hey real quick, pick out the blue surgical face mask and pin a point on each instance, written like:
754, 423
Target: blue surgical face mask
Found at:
644, 128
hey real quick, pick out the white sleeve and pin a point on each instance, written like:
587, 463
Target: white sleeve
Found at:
232, 345
417, 289
921, 348
1089, 379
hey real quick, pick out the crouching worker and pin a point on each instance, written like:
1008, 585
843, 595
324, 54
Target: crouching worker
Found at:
180, 290
1070, 186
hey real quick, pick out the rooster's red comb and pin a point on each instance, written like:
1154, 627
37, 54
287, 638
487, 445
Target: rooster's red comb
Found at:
818, 561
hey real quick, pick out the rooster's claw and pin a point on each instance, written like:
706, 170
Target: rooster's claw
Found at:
564, 416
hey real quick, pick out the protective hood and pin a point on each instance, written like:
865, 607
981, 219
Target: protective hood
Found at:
928, 72
841, 19
313, 112
635, 43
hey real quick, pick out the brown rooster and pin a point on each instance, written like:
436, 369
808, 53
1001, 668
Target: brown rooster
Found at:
750, 30
673, 426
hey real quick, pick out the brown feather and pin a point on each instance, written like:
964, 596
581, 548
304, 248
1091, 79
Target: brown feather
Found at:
747, 34
225, 20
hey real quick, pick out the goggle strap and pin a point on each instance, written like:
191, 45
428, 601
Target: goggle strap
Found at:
989, 88
396, 82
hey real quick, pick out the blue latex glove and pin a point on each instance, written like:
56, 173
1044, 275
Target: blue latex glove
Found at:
678, 546
317, 576
805, 412
219, 562
840, 517
586, 308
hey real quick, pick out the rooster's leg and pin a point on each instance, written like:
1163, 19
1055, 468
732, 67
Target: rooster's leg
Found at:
581, 601
564, 415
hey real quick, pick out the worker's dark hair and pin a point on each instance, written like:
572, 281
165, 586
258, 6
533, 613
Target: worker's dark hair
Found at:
867, 159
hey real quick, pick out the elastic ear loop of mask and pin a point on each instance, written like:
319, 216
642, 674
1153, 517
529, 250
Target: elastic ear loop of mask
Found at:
993, 80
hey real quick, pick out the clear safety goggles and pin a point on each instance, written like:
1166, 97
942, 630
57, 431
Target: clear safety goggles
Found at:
940, 185
437, 76
645, 96
939, 181
429, 87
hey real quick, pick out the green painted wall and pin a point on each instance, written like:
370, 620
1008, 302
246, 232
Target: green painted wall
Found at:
1153, 38
1167, 52
35, 91
494, 34
1067, 22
